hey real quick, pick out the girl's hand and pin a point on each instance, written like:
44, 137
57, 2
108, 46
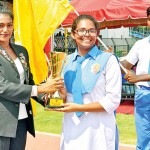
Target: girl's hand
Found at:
62, 93
69, 107
51, 85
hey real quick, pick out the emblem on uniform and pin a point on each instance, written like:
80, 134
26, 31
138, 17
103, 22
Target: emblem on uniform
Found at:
95, 68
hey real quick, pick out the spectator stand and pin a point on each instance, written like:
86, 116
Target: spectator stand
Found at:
121, 46
128, 90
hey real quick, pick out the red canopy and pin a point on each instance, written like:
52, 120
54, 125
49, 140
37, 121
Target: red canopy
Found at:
111, 13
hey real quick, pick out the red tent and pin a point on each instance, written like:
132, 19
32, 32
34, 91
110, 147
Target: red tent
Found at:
111, 13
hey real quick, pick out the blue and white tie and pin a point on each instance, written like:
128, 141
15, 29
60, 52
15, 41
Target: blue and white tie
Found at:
77, 84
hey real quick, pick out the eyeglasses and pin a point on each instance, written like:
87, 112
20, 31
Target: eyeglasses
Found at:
82, 32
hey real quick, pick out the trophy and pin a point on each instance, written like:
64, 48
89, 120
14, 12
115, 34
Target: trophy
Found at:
56, 64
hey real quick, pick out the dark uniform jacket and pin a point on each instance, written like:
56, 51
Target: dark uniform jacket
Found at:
12, 93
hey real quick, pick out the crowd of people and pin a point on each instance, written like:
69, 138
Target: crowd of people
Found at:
91, 88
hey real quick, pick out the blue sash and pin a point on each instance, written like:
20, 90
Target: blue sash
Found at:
88, 77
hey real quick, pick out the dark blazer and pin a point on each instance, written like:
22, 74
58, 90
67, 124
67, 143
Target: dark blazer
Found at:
12, 92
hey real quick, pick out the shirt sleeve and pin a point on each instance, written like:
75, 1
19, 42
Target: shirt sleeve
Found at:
34, 90
113, 78
132, 56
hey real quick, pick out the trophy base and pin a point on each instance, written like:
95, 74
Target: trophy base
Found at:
55, 103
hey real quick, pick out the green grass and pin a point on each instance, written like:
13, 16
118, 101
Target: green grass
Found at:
51, 122
126, 128
47, 121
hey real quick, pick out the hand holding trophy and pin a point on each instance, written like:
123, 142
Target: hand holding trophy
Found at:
56, 65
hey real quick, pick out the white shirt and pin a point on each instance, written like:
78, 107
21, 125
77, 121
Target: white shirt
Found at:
95, 130
22, 109
140, 52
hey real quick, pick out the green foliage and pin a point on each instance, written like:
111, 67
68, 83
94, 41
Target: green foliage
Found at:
51, 122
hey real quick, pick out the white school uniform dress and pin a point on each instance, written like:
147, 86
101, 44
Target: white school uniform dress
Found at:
95, 130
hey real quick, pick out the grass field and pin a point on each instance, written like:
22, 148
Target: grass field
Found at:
51, 122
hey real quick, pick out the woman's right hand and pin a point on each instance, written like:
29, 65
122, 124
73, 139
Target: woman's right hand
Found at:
51, 85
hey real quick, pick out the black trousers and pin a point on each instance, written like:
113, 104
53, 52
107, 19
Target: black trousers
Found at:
18, 143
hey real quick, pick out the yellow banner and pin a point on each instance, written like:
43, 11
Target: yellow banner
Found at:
34, 22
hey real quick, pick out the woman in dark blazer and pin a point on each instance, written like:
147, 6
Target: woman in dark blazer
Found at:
16, 89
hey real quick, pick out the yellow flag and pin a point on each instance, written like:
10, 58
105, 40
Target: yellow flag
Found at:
34, 22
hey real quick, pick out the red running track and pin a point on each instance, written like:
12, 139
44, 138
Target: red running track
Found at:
126, 107
47, 141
